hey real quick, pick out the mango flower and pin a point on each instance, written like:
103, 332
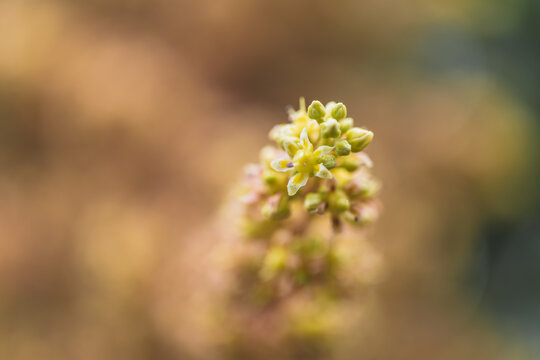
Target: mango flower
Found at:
305, 162
299, 119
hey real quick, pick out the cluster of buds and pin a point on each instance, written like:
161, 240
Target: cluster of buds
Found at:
316, 170
319, 159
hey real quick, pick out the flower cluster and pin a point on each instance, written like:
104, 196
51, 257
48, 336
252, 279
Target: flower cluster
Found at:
319, 160
298, 270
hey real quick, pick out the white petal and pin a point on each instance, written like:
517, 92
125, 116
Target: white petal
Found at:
304, 140
323, 150
296, 182
322, 172
281, 165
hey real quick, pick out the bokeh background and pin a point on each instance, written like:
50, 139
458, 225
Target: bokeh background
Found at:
123, 123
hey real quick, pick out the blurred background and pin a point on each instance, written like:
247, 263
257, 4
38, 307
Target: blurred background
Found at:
123, 123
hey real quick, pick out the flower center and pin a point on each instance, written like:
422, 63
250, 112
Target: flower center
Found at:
304, 163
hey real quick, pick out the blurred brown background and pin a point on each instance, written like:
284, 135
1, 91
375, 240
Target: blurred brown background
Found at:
124, 123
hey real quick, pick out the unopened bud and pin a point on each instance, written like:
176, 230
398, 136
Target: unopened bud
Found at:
270, 178
330, 129
359, 138
338, 201
329, 161
350, 164
339, 111
343, 148
313, 202
316, 111
346, 124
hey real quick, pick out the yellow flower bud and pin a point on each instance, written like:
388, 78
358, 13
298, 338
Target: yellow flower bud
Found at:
359, 138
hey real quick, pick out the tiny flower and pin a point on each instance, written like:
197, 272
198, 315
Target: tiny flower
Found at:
305, 162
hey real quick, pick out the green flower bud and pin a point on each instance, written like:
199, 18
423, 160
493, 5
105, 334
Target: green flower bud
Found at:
359, 138
343, 148
346, 124
330, 129
313, 201
316, 111
339, 201
270, 178
350, 164
339, 111
329, 161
